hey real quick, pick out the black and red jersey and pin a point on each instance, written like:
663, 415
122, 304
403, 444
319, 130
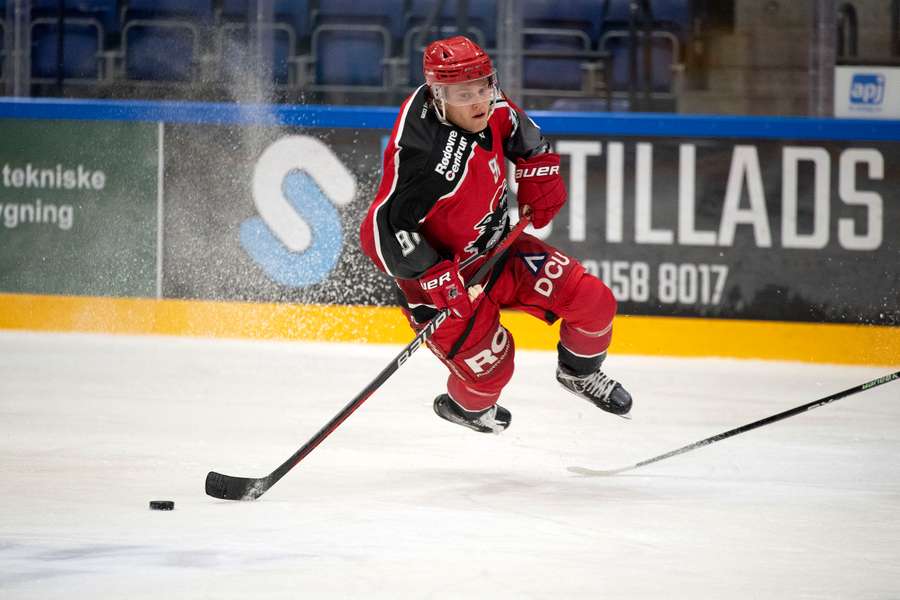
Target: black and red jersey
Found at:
443, 192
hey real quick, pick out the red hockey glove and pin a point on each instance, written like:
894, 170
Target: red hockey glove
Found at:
444, 285
540, 187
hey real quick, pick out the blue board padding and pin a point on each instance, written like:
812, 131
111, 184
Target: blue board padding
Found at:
367, 117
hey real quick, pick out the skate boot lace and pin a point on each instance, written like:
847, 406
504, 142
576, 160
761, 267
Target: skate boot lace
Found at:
597, 384
488, 419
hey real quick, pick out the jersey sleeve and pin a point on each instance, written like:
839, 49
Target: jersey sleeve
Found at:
522, 136
404, 199
405, 253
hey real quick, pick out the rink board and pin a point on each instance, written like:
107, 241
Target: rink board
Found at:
720, 236
661, 336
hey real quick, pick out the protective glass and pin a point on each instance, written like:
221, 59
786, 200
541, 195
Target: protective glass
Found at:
470, 92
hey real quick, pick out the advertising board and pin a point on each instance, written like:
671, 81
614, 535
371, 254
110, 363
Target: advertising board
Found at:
867, 92
747, 229
78, 207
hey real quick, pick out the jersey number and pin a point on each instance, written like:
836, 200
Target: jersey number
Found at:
495, 168
408, 241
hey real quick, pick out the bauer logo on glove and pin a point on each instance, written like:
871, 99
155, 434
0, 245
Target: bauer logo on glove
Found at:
436, 282
537, 171
541, 187
444, 286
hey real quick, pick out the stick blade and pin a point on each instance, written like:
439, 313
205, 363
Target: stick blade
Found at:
586, 472
226, 487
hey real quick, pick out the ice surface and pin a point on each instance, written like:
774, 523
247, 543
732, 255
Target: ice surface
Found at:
400, 504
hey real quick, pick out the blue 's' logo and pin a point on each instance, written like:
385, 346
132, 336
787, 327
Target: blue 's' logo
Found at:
297, 185
867, 89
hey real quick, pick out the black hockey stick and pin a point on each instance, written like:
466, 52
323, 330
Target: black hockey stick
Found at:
733, 432
227, 487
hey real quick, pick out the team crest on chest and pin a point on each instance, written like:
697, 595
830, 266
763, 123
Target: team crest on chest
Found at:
491, 227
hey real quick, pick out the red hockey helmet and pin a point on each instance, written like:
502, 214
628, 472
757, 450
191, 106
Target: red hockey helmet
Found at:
455, 60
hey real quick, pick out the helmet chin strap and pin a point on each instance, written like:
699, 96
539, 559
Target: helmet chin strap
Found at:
440, 108
493, 102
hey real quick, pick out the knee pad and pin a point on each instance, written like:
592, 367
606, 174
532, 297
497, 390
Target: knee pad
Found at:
586, 331
594, 305
479, 373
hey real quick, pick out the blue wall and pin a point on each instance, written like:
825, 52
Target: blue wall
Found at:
553, 123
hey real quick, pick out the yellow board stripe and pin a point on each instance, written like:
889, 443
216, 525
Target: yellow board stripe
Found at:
662, 336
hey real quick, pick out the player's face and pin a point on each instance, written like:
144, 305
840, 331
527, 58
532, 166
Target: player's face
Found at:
468, 105
472, 117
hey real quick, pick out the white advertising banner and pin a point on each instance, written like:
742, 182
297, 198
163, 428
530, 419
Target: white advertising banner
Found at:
867, 92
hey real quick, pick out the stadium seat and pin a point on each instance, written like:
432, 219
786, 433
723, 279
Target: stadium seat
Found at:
159, 50
577, 15
106, 12
385, 13
2, 51
234, 10
664, 54
195, 10
82, 45
667, 14
293, 13
350, 56
234, 53
673, 14
482, 17
554, 73
161, 39
414, 48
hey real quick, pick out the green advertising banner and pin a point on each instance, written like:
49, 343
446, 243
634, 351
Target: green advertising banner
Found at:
78, 207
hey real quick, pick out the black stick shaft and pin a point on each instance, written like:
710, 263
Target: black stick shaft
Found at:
237, 488
772, 419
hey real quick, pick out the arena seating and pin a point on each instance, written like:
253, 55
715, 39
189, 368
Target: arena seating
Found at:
672, 15
570, 47
295, 12
388, 14
410, 71
348, 56
105, 12
578, 15
664, 53
669, 25
233, 57
195, 11
160, 50
289, 32
82, 56
87, 27
2, 50
482, 17
559, 46
542, 71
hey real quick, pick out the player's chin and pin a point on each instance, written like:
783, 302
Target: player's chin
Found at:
478, 122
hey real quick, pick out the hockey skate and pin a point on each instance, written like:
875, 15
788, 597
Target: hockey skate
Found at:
493, 419
597, 388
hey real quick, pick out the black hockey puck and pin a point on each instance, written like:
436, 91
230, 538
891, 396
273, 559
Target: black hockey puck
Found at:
162, 505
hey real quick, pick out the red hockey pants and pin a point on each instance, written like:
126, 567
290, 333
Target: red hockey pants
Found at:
535, 278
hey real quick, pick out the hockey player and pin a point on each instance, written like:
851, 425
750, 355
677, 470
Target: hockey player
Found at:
440, 208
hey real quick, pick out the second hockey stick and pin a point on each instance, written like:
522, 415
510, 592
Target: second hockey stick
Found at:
227, 487
738, 430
